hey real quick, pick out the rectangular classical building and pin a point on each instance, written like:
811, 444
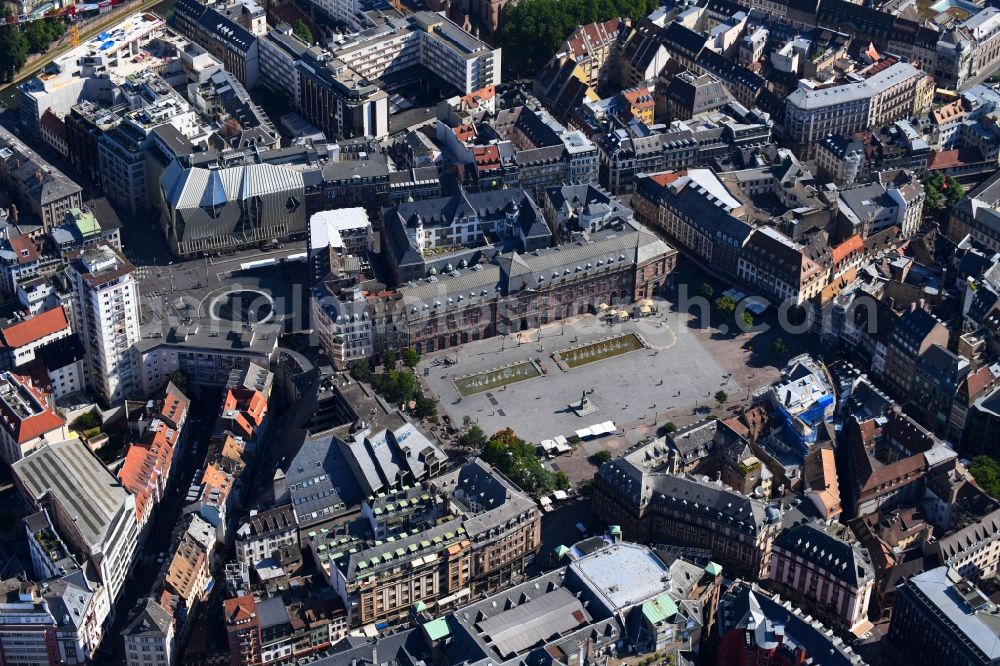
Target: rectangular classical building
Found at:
687, 512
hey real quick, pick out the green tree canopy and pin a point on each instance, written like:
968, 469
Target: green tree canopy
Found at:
705, 290
666, 428
425, 408
725, 304
986, 471
533, 30
302, 31
954, 192
42, 33
721, 397
13, 49
396, 387
85, 421
411, 358
360, 370
178, 379
473, 438
516, 459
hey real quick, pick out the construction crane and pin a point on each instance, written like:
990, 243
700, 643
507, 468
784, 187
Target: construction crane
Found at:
14, 19
70, 11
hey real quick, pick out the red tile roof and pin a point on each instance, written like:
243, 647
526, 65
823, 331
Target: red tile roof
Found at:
24, 249
945, 159
948, 111
667, 177
847, 248
53, 123
175, 405
977, 382
216, 478
637, 96
477, 97
146, 463
593, 36
465, 132
24, 428
239, 609
34, 328
486, 155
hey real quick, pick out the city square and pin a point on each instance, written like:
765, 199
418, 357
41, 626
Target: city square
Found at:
673, 375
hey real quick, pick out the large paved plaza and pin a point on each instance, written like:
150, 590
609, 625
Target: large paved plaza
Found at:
672, 377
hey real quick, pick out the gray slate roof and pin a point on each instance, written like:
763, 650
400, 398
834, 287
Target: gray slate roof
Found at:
83, 487
845, 560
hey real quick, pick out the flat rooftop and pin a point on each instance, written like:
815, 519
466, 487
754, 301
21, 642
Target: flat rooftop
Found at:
84, 488
625, 574
106, 46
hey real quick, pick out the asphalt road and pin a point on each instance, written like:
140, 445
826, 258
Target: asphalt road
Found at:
145, 571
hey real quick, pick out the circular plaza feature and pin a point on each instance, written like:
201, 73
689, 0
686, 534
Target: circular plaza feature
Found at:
242, 306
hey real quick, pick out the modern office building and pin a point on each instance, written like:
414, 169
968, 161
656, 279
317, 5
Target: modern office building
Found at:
424, 38
90, 510
338, 100
205, 355
92, 70
940, 617
208, 206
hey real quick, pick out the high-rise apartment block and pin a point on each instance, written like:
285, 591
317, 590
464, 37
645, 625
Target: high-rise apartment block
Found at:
106, 300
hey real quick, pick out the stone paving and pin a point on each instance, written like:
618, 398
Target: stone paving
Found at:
672, 377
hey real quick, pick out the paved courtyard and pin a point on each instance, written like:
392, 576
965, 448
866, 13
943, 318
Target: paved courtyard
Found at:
219, 289
668, 380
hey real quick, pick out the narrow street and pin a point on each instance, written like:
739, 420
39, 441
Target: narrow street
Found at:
145, 571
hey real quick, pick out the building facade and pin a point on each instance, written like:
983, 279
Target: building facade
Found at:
820, 572
940, 617
106, 308
149, 636
687, 512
